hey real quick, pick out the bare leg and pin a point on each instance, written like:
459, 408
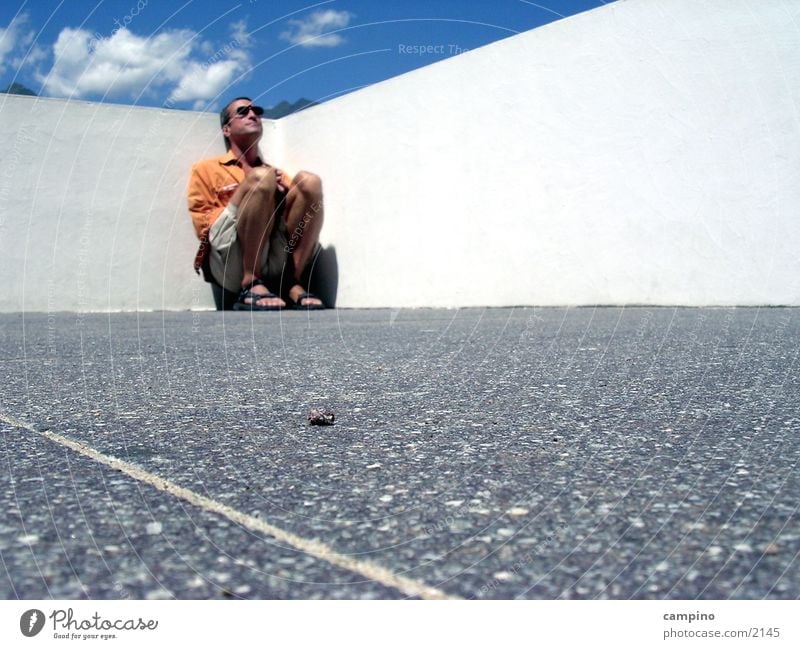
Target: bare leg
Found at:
255, 201
304, 217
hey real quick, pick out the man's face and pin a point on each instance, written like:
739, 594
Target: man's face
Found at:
246, 125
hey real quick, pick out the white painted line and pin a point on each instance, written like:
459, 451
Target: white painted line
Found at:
410, 587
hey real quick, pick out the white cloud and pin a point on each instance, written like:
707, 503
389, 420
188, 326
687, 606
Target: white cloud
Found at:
126, 65
122, 64
31, 58
240, 33
201, 82
313, 31
13, 39
8, 40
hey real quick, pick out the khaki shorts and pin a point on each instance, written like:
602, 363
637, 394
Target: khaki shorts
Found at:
225, 257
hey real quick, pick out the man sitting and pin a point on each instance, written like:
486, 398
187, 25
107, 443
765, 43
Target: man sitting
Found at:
258, 228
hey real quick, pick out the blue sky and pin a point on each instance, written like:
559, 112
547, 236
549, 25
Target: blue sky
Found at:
195, 54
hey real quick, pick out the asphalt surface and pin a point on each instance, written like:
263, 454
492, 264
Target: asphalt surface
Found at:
489, 453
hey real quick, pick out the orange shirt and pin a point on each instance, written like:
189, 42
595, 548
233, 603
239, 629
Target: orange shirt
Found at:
211, 185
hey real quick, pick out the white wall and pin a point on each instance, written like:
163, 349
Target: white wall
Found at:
93, 205
646, 152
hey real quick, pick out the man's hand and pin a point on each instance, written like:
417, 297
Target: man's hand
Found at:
281, 180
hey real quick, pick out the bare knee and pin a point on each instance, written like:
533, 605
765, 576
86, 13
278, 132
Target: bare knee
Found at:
261, 179
308, 183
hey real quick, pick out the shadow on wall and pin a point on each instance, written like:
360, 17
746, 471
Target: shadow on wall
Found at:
321, 278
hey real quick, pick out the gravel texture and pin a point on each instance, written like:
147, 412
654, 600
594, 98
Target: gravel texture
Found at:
492, 453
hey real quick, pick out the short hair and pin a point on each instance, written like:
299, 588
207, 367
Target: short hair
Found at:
224, 118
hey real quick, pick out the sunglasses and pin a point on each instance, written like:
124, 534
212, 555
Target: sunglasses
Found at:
243, 110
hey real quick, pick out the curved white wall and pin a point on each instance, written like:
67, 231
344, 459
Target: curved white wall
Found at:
93, 206
645, 152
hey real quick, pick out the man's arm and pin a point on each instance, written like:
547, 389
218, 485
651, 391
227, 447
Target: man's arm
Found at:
204, 205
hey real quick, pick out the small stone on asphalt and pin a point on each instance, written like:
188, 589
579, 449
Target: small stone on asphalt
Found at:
154, 528
320, 417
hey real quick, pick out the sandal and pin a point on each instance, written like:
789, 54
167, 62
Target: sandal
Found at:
247, 293
307, 307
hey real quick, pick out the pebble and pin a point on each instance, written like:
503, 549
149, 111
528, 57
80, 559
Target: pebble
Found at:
28, 539
320, 417
503, 575
517, 511
160, 593
154, 528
